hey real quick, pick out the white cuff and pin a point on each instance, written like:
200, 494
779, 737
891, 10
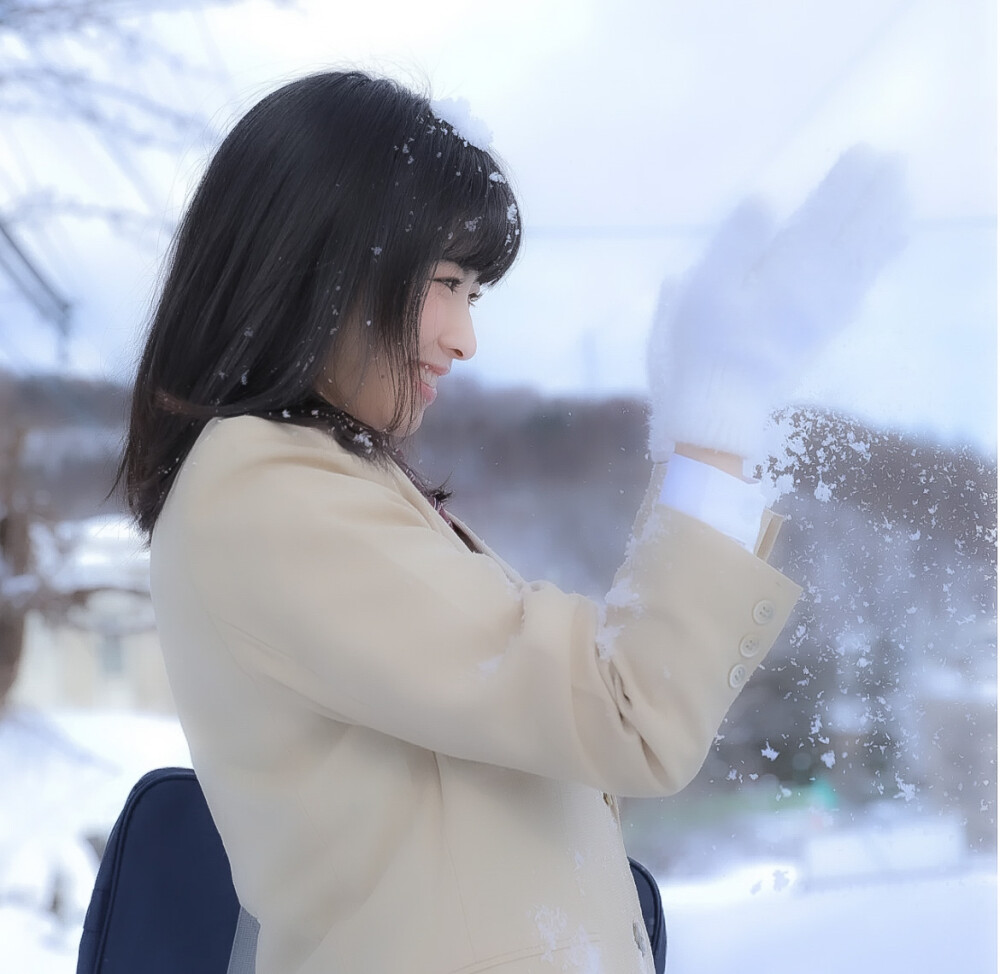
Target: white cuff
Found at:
730, 505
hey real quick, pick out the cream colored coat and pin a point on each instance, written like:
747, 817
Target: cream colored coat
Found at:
407, 748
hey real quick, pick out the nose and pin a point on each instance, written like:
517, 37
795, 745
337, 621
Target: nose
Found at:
461, 338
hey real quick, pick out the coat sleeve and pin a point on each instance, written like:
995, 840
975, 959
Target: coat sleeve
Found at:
320, 574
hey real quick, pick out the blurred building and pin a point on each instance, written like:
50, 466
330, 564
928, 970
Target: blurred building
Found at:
96, 645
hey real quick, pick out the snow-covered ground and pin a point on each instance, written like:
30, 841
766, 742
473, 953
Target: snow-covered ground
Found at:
919, 924
904, 898
64, 777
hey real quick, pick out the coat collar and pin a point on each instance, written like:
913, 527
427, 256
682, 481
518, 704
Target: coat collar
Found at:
449, 526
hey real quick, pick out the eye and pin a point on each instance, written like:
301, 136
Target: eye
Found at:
451, 283
474, 296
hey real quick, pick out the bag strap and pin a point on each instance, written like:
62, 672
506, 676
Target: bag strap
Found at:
652, 913
243, 958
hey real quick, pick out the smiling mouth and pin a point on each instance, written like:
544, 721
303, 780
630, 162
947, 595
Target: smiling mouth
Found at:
428, 383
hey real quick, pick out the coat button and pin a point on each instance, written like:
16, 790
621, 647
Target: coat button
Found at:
737, 676
763, 612
639, 933
749, 647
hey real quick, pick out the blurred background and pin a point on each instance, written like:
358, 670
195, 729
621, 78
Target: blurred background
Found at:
847, 814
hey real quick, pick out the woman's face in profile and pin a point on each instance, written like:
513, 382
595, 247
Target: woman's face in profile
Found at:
361, 384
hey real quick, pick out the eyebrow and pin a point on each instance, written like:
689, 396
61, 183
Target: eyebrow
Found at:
463, 269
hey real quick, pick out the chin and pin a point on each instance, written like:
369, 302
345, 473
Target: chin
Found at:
414, 424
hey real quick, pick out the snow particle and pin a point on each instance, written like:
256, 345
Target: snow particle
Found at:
823, 492
489, 666
458, 114
906, 791
622, 595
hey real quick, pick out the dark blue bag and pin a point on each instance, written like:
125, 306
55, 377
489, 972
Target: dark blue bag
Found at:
164, 902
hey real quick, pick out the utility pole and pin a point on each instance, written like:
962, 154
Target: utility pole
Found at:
15, 513
36, 288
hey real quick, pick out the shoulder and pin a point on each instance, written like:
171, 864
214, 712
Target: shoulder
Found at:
240, 451
245, 441
247, 471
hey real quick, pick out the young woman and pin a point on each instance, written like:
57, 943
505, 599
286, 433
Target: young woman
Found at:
410, 751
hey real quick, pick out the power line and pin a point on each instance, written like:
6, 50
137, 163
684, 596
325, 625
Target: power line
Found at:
32, 283
984, 222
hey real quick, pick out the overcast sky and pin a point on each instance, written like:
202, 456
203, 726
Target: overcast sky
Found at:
630, 127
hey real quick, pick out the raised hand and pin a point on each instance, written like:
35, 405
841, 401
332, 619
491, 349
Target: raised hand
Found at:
727, 344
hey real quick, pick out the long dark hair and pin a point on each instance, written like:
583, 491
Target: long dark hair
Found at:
333, 197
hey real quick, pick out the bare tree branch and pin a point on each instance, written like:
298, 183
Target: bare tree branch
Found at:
51, 88
36, 209
94, 65
72, 16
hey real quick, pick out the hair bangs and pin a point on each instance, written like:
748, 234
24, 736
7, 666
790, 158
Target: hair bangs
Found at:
477, 215
486, 237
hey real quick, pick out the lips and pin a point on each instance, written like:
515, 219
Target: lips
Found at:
429, 375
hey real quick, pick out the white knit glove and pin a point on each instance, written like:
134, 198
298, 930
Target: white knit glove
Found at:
728, 344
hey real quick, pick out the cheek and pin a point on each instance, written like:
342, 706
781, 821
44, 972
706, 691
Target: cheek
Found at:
430, 321
359, 383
